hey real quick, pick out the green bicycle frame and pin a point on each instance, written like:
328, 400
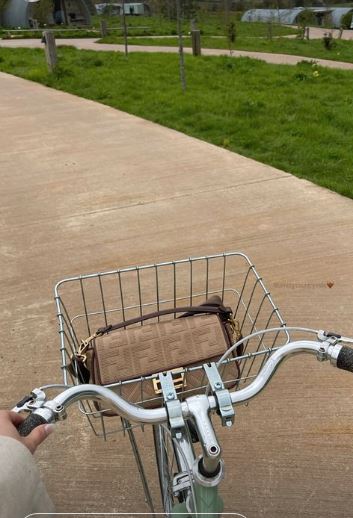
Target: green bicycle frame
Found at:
208, 503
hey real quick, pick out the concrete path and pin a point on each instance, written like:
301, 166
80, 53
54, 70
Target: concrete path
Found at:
318, 32
91, 44
87, 188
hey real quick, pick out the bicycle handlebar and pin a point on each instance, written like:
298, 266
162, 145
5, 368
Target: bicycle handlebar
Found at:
30, 423
345, 359
340, 356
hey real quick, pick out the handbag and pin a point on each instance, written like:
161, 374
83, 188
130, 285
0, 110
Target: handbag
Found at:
130, 356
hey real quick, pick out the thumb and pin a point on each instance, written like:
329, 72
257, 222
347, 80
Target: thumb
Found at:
37, 436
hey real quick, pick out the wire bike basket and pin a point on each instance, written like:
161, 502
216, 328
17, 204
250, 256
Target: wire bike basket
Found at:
87, 302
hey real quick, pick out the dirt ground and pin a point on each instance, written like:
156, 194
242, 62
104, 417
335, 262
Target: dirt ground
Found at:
86, 188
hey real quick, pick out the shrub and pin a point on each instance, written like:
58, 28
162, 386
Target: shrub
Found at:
41, 11
346, 20
328, 41
300, 76
306, 18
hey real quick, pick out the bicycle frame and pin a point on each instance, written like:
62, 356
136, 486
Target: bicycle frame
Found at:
203, 495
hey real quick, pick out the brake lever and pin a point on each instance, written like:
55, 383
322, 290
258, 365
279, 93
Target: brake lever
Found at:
36, 399
324, 335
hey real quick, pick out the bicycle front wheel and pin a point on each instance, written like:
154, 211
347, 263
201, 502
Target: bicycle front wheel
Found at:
169, 466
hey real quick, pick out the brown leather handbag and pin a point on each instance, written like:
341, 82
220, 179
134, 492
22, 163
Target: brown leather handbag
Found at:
126, 351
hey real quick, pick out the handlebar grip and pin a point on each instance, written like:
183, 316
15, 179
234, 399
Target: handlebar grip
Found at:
30, 423
345, 359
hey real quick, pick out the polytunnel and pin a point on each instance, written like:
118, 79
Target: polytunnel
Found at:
283, 16
338, 13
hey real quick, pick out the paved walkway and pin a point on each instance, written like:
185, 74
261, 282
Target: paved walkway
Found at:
88, 188
91, 44
318, 32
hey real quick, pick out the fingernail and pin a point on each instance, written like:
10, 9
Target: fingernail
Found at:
49, 428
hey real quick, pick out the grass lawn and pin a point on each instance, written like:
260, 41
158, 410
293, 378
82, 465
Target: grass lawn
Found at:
296, 118
7, 34
211, 25
155, 25
342, 50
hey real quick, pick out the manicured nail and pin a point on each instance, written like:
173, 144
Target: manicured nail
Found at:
49, 428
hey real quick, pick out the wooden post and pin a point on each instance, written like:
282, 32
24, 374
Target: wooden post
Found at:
104, 28
196, 43
308, 33
50, 50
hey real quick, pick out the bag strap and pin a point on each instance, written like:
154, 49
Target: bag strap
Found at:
222, 311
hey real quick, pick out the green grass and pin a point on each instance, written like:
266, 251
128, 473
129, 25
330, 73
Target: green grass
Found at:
342, 50
155, 25
209, 25
72, 33
295, 118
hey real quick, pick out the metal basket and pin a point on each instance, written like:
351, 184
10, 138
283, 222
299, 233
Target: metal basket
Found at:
88, 302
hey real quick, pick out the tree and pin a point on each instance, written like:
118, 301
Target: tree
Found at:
41, 11
189, 8
232, 34
124, 27
181, 47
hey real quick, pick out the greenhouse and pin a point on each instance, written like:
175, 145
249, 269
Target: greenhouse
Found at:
334, 16
338, 14
283, 16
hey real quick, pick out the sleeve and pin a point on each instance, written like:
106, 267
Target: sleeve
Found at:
21, 490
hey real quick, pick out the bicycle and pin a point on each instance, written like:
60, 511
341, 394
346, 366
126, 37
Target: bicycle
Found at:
188, 481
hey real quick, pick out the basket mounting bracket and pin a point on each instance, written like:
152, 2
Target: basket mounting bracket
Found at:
172, 403
221, 394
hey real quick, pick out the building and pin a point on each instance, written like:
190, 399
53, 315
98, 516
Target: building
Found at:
133, 9
22, 13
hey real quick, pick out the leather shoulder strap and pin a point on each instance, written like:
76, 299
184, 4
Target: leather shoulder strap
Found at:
222, 311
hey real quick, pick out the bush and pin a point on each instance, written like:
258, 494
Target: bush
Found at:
41, 11
328, 41
306, 18
300, 76
346, 20
60, 72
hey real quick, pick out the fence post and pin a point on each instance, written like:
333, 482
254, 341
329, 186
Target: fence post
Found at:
50, 49
196, 43
308, 33
104, 28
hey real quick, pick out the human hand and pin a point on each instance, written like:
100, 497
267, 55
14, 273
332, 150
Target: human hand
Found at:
10, 420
